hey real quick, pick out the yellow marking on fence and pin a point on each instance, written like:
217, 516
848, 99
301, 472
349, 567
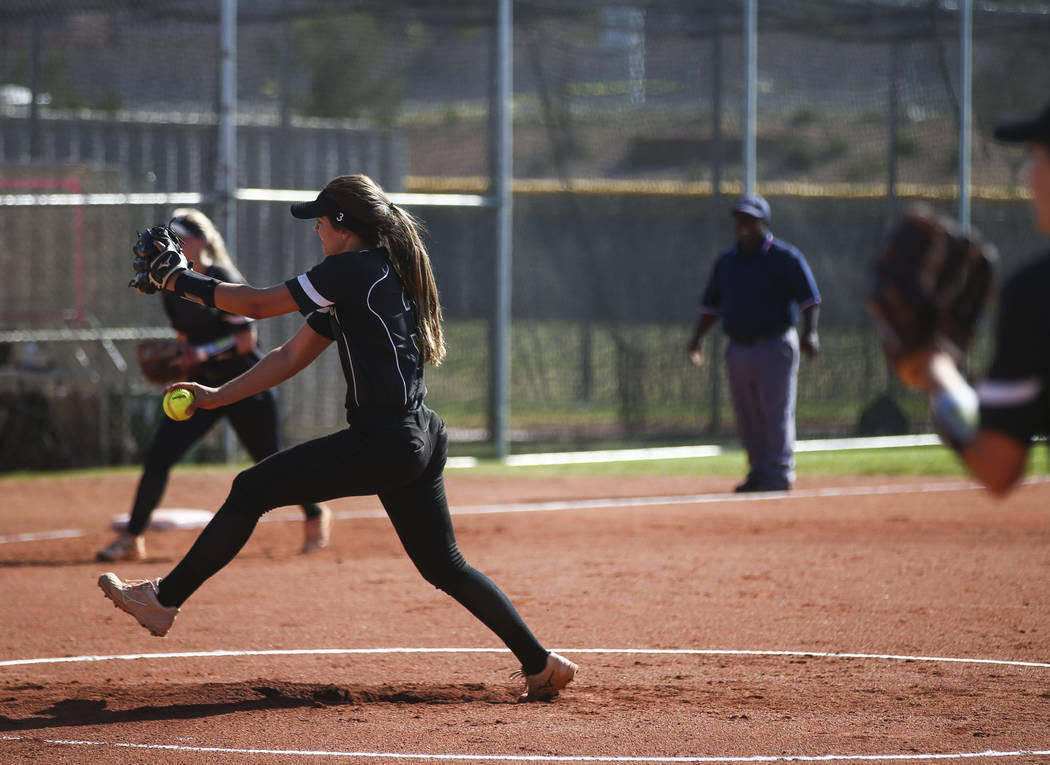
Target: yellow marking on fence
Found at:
479, 184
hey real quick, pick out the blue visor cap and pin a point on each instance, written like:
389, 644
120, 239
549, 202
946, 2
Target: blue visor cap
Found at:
754, 205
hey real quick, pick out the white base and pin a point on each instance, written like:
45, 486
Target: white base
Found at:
165, 518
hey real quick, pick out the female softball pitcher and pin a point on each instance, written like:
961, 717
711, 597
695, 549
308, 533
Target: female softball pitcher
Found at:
216, 347
374, 295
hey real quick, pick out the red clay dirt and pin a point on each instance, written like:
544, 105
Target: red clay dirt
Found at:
948, 573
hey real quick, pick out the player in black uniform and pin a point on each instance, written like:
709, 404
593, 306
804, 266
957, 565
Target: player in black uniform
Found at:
993, 427
374, 296
217, 347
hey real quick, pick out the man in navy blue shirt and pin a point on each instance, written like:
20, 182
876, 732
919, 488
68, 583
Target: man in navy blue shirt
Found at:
758, 288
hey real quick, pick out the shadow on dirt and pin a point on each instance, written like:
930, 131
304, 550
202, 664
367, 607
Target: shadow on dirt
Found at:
104, 706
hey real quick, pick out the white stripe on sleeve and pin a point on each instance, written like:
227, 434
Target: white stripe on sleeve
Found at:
311, 293
1009, 392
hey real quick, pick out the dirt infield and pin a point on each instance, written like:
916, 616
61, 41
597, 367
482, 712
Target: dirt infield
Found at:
707, 627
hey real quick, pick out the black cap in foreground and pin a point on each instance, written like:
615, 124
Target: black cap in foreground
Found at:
1023, 131
323, 206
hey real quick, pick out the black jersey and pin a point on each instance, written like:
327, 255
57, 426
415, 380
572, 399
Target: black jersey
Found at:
357, 300
203, 325
1015, 395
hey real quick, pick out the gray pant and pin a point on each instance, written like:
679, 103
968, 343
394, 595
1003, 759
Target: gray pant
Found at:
763, 385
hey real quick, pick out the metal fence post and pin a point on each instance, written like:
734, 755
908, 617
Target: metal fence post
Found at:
715, 355
965, 98
226, 171
226, 180
502, 172
750, 92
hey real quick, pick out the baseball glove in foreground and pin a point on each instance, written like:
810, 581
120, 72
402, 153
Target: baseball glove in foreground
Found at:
929, 288
164, 361
158, 259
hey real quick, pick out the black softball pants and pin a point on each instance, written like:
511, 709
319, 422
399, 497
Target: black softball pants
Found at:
254, 420
401, 458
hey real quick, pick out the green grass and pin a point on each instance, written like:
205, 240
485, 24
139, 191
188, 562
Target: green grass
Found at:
901, 461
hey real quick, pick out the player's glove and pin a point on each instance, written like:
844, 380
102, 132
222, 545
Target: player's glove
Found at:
158, 259
929, 288
165, 361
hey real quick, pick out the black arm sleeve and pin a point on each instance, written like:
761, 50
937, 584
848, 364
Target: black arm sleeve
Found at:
197, 288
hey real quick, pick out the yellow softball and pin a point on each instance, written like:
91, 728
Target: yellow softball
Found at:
176, 402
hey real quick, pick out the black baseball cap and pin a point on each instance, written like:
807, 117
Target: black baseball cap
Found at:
323, 206
1023, 131
326, 205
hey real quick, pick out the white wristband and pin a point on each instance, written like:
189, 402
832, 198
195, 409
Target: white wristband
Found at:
956, 415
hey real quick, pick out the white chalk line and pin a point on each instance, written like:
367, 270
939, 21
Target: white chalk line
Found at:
630, 651
991, 753
38, 536
474, 757
550, 506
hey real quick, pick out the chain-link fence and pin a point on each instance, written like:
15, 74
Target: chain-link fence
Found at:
627, 151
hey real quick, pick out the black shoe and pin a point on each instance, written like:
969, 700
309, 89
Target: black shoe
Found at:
749, 486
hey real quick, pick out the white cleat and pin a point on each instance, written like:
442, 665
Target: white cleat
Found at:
545, 684
317, 530
124, 547
138, 597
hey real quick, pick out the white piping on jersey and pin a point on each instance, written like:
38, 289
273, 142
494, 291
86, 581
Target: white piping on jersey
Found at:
397, 361
327, 306
349, 356
1009, 392
311, 293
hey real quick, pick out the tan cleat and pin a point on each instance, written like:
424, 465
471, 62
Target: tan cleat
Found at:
316, 530
139, 598
124, 547
544, 685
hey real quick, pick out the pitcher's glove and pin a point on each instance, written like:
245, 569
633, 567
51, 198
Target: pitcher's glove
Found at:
158, 259
166, 361
929, 289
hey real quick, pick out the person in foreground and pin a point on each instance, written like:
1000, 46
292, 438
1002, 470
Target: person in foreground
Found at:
212, 347
374, 295
993, 427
